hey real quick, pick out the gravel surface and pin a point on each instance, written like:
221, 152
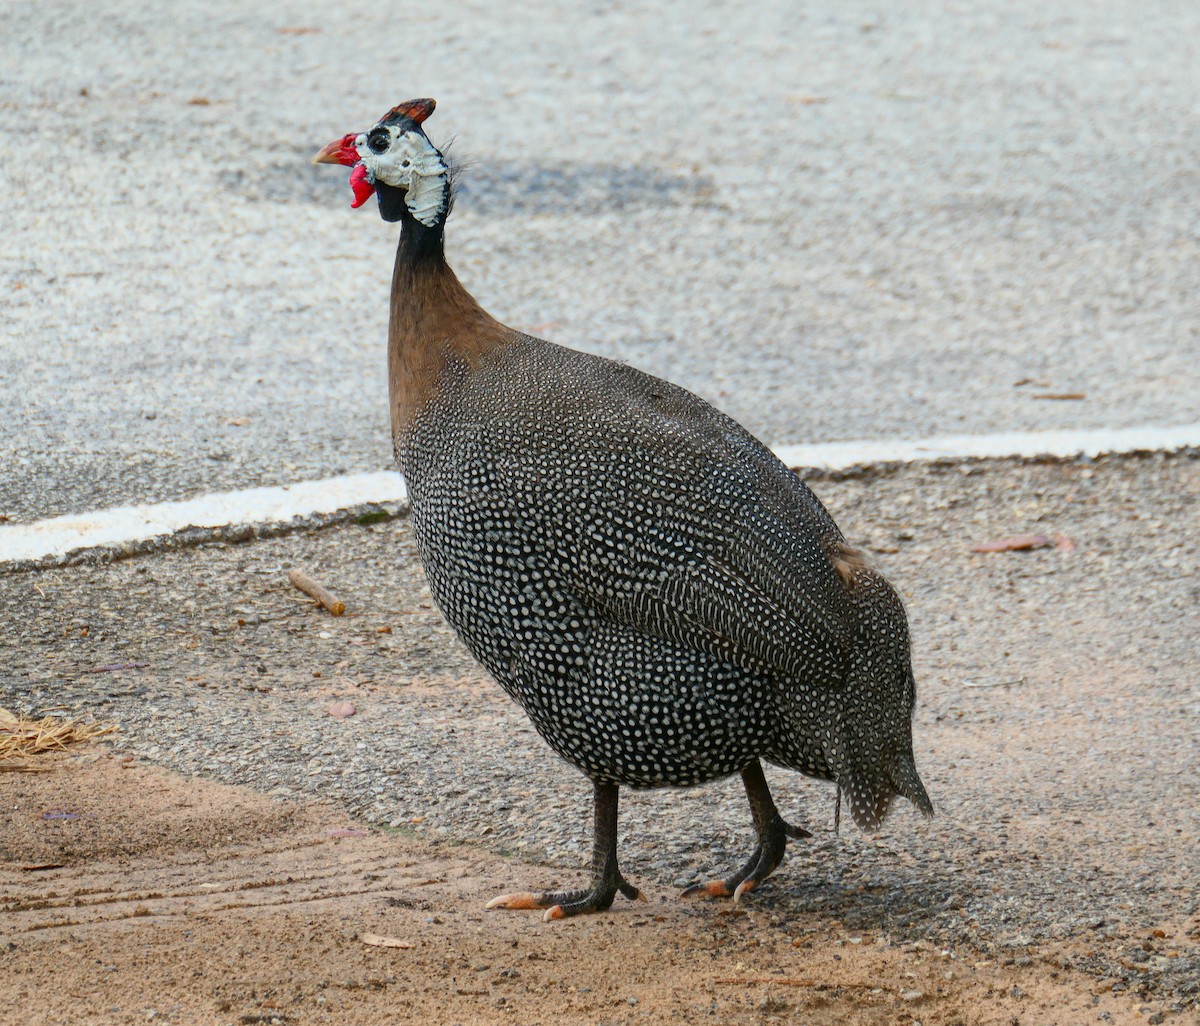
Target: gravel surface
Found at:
840, 223
1056, 730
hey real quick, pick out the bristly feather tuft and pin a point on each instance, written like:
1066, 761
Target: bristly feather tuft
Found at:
454, 169
849, 562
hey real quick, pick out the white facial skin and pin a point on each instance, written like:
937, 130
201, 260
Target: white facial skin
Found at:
410, 163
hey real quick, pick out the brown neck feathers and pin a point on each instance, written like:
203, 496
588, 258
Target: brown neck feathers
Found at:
434, 323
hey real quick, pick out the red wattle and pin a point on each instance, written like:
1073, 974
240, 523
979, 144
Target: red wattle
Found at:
363, 189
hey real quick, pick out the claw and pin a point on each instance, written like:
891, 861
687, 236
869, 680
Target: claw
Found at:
742, 888
709, 889
519, 900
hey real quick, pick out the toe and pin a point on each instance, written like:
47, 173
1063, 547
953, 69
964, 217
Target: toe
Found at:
799, 833
709, 889
631, 892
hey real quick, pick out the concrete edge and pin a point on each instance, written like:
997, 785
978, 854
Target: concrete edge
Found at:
229, 517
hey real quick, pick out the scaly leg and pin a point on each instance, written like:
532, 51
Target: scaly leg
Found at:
773, 833
606, 877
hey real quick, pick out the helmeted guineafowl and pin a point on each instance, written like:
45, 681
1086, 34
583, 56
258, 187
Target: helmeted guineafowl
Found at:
667, 602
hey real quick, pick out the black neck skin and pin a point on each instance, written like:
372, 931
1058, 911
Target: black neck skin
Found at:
420, 245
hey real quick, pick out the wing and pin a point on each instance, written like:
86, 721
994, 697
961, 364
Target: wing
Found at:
669, 517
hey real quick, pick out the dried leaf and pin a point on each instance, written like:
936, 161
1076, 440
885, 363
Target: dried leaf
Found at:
1017, 543
378, 941
341, 710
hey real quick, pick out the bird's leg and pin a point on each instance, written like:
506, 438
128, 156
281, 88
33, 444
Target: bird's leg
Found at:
773, 832
606, 877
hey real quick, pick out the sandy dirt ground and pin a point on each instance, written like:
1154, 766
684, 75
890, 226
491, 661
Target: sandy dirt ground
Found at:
131, 894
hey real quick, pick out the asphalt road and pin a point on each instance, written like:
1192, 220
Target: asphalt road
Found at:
836, 222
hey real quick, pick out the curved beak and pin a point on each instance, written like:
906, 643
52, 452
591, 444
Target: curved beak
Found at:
340, 151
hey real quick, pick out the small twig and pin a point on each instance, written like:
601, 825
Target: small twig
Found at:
993, 683
117, 666
785, 981
781, 980
378, 941
318, 591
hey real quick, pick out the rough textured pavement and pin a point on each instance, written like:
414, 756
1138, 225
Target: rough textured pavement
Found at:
838, 223
1056, 728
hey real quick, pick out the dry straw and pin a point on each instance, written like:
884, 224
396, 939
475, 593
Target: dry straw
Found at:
20, 738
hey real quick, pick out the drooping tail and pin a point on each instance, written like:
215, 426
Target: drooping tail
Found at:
874, 761
870, 799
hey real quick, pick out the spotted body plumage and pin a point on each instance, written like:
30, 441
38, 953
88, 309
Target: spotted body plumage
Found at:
648, 581
666, 601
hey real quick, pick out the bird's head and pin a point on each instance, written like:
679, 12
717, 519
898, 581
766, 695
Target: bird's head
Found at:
396, 161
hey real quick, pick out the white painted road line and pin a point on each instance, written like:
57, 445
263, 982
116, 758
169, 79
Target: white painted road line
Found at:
131, 524
123, 524
1020, 444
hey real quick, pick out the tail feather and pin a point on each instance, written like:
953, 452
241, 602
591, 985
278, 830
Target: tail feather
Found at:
908, 785
871, 800
871, 751
869, 804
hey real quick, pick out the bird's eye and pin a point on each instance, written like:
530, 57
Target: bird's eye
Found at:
379, 139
